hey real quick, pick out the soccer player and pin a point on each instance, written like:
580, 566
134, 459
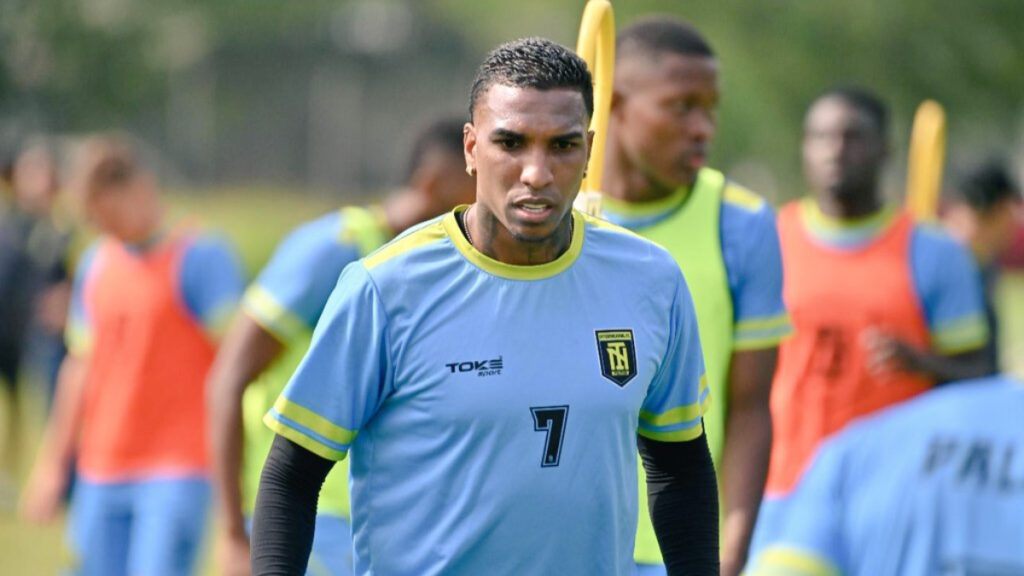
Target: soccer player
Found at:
664, 112
492, 371
273, 331
926, 487
883, 308
33, 288
148, 302
984, 214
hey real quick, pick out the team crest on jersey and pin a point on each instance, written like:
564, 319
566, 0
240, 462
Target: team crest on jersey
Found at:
618, 357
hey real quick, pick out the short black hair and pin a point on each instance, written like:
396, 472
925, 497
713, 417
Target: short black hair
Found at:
862, 99
533, 63
656, 35
442, 134
987, 185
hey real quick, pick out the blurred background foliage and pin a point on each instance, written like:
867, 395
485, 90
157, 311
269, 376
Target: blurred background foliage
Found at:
323, 95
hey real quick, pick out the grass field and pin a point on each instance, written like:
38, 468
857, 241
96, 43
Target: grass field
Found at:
256, 222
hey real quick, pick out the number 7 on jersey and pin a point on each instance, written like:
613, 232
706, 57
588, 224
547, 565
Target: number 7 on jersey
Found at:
551, 419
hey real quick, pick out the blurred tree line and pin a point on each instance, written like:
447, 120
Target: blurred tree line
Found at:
324, 94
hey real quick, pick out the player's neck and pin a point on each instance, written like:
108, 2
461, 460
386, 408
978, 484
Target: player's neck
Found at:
489, 237
404, 208
626, 182
851, 206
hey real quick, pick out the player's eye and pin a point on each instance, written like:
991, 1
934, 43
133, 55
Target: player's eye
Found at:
563, 145
681, 107
508, 143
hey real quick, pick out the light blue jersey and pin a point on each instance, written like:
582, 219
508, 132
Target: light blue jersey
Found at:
492, 410
287, 299
934, 486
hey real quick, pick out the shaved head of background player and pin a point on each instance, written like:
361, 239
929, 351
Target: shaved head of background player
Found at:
883, 307
663, 121
511, 356
269, 337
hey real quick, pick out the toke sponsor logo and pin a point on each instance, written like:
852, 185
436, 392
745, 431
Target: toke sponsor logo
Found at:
481, 367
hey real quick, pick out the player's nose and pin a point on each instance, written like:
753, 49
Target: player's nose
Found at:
536, 172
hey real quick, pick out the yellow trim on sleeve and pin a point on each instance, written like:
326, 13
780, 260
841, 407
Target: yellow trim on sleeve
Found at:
313, 421
740, 196
262, 307
302, 440
680, 413
428, 234
750, 344
760, 324
761, 333
792, 562
78, 339
963, 335
684, 435
511, 271
219, 322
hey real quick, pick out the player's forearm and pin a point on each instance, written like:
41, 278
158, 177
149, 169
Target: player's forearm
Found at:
246, 352
745, 458
943, 369
60, 438
683, 499
285, 515
227, 453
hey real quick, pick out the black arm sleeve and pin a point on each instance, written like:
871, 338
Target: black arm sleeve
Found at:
285, 514
682, 495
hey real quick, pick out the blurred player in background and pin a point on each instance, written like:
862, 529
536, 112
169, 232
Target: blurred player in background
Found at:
663, 120
511, 355
984, 213
148, 303
37, 191
272, 333
34, 285
932, 486
883, 308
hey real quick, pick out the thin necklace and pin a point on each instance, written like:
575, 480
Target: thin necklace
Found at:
465, 227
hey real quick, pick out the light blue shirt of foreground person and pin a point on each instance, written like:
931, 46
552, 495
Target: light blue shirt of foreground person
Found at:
492, 410
932, 487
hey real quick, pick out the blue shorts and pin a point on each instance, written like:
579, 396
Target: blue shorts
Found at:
332, 546
152, 527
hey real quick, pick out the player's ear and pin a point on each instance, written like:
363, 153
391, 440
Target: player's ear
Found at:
469, 147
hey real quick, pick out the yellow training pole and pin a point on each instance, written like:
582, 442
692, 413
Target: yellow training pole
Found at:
926, 157
596, 45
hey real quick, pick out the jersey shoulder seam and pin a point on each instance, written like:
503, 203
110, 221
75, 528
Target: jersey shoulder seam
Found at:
424, 235
736, 195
